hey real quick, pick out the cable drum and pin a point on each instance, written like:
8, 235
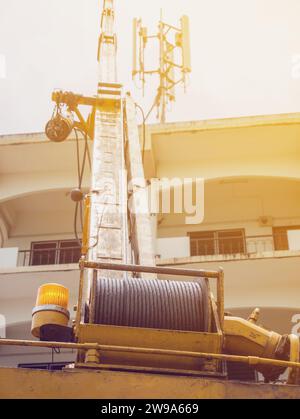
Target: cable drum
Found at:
157, 304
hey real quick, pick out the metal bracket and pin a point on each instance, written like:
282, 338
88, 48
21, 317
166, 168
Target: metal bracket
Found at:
293, 377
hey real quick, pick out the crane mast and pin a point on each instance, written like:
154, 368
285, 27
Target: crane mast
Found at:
107, 48
108, 228
109, 218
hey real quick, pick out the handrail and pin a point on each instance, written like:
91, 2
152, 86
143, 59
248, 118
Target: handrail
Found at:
200, 273
238, 244
49, 249
226, 246
250, 360
25, 256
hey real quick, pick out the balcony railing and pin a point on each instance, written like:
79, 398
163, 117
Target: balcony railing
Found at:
42, 257
236, 245
259, 244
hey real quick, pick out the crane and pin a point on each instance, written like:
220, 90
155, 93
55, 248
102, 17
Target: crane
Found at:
137, 334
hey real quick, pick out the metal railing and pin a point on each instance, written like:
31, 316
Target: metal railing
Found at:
41, 257
238, 245
235, 245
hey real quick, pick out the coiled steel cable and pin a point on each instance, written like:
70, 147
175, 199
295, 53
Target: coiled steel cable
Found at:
157, 304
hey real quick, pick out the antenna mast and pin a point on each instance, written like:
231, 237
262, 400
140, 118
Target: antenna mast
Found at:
174, 59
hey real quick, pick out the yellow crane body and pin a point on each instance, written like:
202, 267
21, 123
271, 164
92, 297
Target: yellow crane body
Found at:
109, 384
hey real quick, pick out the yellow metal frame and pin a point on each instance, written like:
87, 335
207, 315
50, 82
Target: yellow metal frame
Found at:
153, 338
109, 98
294, 375
86, 226
156, 340
196, 273
250, 360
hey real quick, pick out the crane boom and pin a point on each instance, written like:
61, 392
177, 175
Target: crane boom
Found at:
109, 237
108, 229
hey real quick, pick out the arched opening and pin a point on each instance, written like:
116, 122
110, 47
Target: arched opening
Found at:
41, 229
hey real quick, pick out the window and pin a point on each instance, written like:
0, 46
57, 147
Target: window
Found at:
43, 253
202, 243
286, 238
224, 242
69, 252
55, 252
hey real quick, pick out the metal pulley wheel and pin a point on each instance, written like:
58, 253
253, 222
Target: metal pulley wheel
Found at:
59, 128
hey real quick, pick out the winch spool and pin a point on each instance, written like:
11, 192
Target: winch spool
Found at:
156, 304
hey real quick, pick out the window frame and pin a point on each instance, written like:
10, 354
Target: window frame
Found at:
215, 239
282, 244
57, 250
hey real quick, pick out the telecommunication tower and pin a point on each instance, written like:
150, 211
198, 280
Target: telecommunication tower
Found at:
174, 61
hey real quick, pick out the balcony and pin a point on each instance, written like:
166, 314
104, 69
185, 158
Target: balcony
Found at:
205, 246
228, 245
234, 245
56, 252
44, 257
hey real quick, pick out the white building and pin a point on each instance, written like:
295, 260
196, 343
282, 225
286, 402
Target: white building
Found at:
251, 227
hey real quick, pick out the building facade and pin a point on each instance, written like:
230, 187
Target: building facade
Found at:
251, 225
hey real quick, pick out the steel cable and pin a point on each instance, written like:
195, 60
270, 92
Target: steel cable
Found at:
159, 304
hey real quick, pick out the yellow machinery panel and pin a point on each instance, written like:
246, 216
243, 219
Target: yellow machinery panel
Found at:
153, 339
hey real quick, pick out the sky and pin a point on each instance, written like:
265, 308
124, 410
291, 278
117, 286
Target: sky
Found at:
245, 56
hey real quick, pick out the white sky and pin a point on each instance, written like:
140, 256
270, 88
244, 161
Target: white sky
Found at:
242, 52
